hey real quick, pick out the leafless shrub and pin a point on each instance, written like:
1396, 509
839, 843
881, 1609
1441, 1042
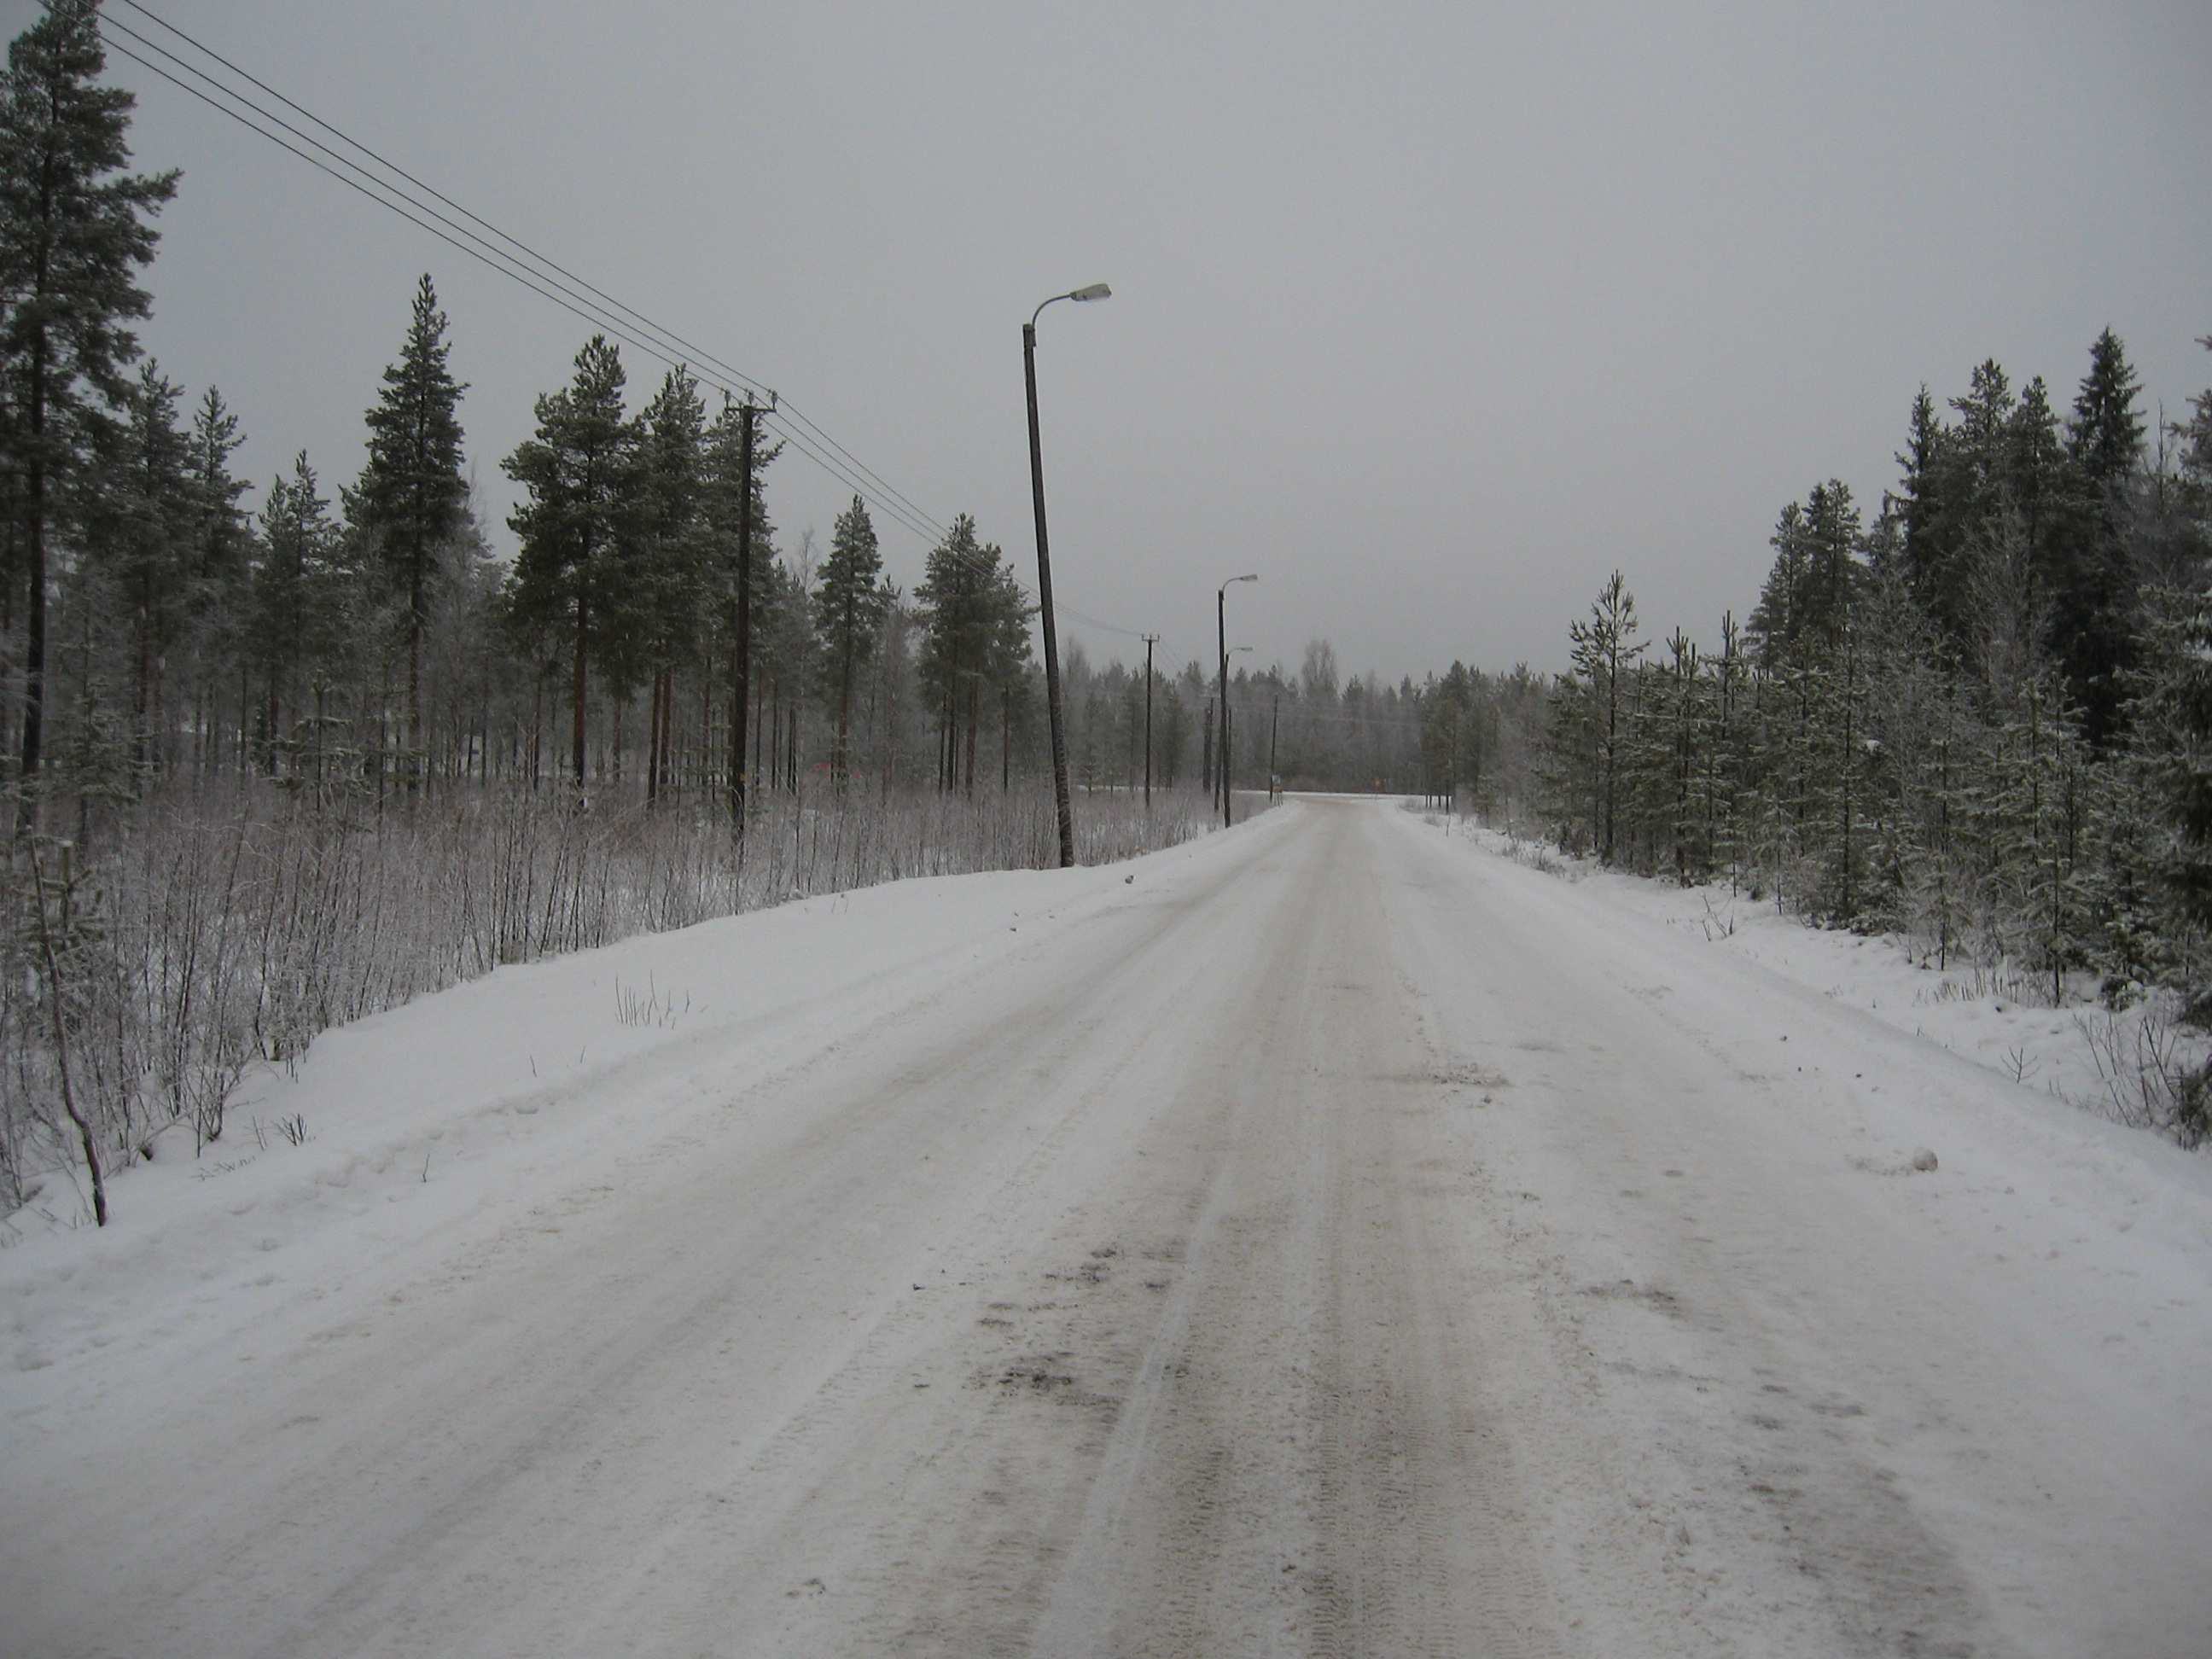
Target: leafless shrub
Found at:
2152, 1077
229, 923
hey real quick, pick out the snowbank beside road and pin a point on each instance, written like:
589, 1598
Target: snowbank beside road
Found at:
455, 1110
2003, 1022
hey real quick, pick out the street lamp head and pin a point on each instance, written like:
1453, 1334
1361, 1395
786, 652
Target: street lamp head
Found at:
1233, 580
1095, 291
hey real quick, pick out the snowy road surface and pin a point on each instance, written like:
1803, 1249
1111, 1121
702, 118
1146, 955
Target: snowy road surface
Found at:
1326, 1242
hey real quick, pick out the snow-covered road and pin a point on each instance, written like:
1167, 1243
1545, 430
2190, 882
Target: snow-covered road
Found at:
1322, 1242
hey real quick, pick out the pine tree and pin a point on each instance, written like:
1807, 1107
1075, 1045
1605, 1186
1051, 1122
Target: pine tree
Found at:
1602, 647
73, 234
413, 491
1006, 663
1728, 758
977, 634
299, 614
151, 486
1687, 716
1832, 572
667, 598
217, 563
579, 474
849, 605
728, 506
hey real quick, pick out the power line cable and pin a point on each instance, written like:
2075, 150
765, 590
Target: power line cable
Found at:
394, 167
892, 501
491, 260
661, 342
700, 353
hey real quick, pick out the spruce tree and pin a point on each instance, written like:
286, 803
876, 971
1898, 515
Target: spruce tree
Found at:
1778, 618
1973, 489
1978, 446
2105, 434
1922, 510
2173, 745
2040, 480
2195, 435
413, 491
216, 568
73, 234
2094, 610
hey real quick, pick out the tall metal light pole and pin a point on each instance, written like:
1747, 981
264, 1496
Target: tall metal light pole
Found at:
1221, 641
1150, 640
1061, 799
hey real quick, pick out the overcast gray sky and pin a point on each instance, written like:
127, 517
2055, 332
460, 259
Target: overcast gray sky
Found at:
1432, 315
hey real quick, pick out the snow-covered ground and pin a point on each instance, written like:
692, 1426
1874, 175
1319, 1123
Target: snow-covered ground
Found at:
2077, 1051
1326, 1236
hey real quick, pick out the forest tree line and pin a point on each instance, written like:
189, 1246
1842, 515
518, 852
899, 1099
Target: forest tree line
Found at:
1979, 717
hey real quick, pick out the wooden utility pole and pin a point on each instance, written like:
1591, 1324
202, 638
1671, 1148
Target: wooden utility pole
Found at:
1275, 720
1150, 640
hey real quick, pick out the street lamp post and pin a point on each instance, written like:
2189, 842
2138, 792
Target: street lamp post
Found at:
1221, 641
1150, 640
1063, 804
